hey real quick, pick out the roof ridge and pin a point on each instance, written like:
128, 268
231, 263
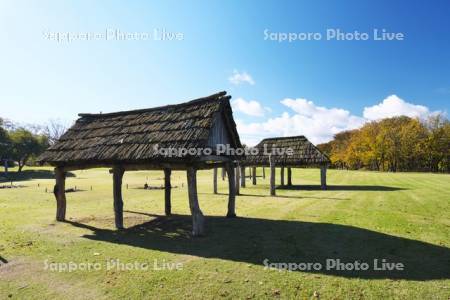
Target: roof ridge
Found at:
218, 96
284, 137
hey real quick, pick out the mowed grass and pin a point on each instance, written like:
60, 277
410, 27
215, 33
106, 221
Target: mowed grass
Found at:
403, 217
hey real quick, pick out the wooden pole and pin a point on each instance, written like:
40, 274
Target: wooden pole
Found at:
167, 192
264, 173
272, 176
197, 215
117, 194
254, 175
323, 177
231, 192
237, 180
243, 177
5, 164
60, 193
215, 180
289, 171
223, 173
282, 176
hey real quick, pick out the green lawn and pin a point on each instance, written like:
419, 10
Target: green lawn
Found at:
403, 218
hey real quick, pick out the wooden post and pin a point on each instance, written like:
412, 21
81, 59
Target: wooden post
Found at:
197, 215
289, 171
167, 192
272, 176
243, 177
323, 177
215, 180
282, 176
223, 173
117, 194
254, 175
264, 173
231, 192
60, 193
237, 180
5, 164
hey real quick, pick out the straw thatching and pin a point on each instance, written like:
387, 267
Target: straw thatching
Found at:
131, 136
304, 153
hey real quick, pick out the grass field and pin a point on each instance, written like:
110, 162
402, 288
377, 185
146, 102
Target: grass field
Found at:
403, 218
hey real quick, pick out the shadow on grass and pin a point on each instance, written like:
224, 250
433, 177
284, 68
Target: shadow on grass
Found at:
30, 174
278, 196
252, 240
341, 188
3, 260
292, 197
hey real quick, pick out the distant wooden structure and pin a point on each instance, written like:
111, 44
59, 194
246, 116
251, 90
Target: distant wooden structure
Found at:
128, 141
305, 154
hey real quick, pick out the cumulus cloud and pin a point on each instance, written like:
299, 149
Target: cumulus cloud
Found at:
394, 106
251, 108
238, 78
319, 124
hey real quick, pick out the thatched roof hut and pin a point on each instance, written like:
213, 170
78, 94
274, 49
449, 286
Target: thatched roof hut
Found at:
133, 137
137, 139
304, 153
273, 152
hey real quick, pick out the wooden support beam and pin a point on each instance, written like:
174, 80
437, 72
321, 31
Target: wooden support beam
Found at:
201, 164
263, 172
231, 192
272, 176
243, 177
282, 176
60, 193
254, 175
167, 192
223, 173
323, 177
5, 165
289, 176
215, 180
237, 173
197, 215
117, 194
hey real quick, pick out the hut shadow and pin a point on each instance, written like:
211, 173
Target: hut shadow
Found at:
30, 174
278, 196
287, 242
341, 188
292, 197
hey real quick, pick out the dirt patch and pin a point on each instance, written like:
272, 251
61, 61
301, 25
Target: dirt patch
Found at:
108, 222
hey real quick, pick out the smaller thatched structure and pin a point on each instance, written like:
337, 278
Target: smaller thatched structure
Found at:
131, 140
286, 152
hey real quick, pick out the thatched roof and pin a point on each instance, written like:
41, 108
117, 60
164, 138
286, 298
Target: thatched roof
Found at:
304, 153
130, 136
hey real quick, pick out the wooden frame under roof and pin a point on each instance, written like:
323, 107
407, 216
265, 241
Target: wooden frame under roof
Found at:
126, 141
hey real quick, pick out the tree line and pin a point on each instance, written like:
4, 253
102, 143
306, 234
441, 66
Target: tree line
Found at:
22, 144
393, 144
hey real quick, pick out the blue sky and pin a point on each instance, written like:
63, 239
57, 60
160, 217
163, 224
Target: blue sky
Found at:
316, 88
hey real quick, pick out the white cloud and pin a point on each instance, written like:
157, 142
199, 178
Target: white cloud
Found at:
319, 124
251, 108
394, 106
240, 77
